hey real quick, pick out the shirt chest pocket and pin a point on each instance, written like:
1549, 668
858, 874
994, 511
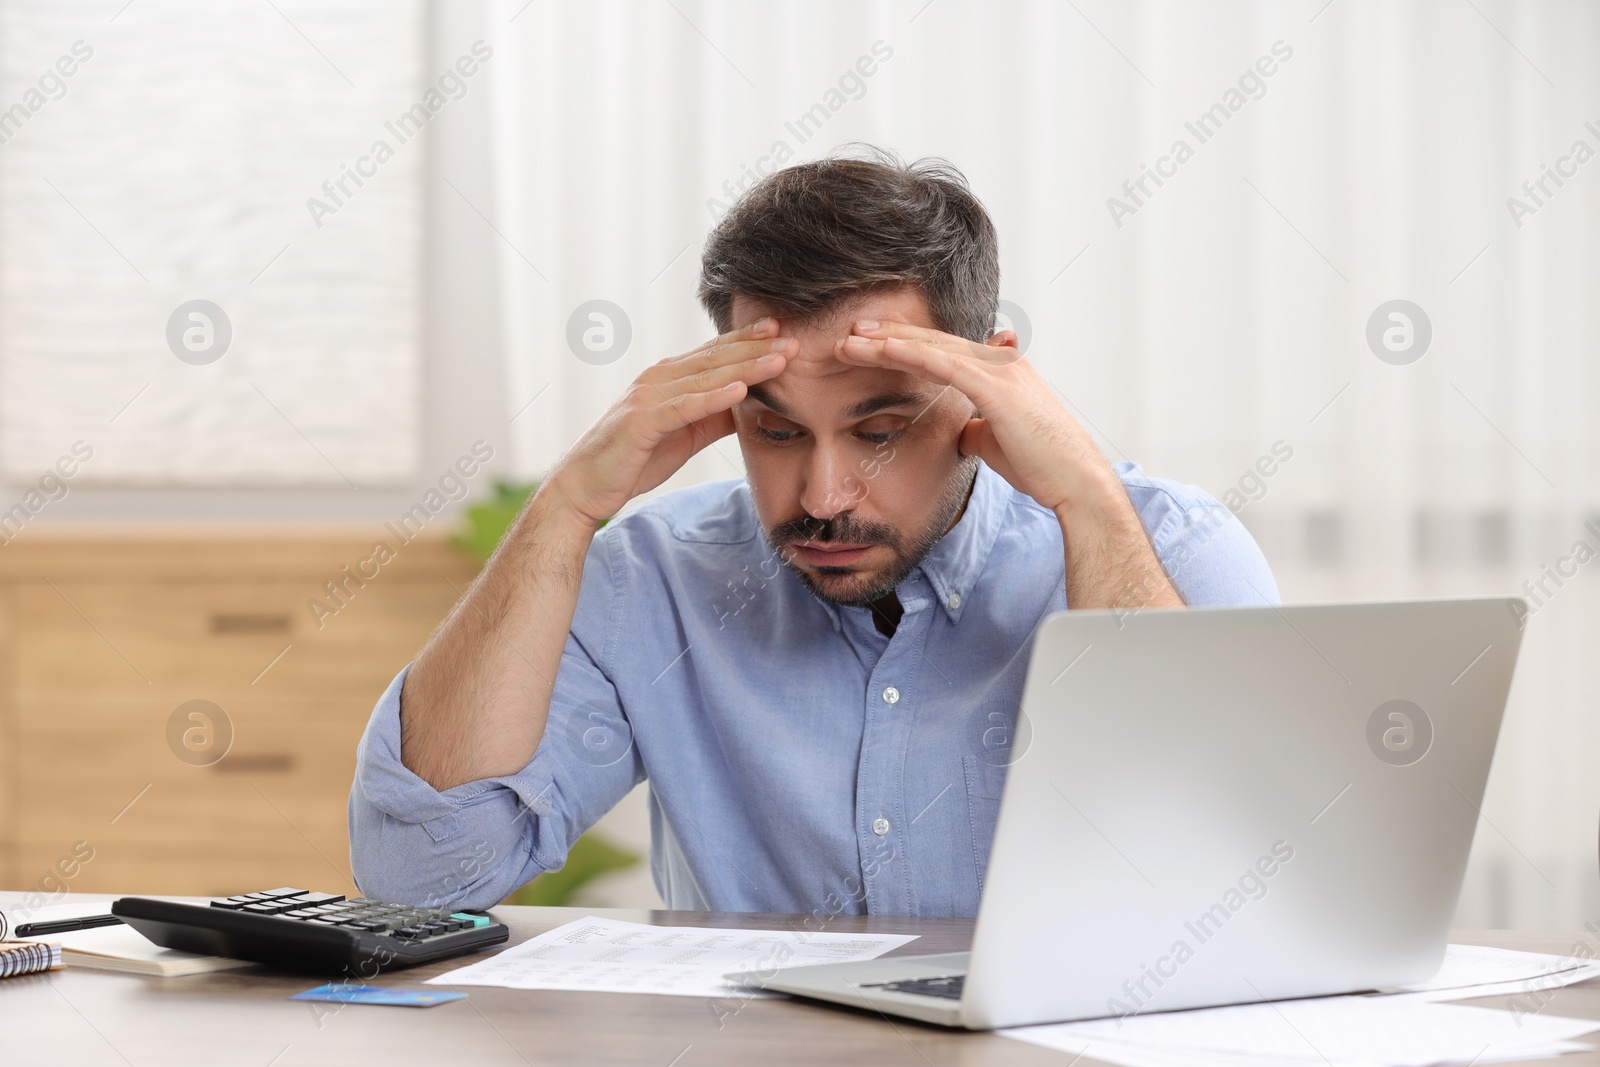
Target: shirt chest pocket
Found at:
985, 781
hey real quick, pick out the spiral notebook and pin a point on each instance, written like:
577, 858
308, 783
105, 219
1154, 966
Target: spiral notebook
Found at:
27, 957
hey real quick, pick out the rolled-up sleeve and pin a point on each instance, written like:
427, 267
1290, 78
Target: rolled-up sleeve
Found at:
471, 845
1212, 559
1206, 551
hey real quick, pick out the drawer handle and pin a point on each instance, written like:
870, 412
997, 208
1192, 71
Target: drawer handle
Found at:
223, 623
255, 763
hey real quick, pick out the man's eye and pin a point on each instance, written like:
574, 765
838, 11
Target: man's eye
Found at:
775, 436
881, 438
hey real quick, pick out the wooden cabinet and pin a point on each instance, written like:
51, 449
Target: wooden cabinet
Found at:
104, 637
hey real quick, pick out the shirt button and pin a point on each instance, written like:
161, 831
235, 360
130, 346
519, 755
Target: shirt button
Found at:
954, 601
891, 695
880, 826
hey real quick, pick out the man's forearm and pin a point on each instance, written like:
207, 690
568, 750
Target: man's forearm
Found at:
475, 702
1110, 562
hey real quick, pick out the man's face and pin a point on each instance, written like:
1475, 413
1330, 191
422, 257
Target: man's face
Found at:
854, 471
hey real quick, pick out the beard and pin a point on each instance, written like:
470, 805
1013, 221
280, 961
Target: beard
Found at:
849, 587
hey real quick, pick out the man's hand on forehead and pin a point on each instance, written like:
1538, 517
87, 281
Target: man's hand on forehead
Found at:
674, 409
1023, 431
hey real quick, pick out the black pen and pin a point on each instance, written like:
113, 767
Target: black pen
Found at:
65, 926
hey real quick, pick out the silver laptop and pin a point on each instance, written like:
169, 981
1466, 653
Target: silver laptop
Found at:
1218, 806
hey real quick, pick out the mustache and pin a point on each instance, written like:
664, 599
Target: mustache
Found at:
845, 528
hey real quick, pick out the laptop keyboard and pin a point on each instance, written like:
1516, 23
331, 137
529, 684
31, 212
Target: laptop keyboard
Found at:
948, 987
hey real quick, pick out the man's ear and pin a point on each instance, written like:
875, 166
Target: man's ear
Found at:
1003, 339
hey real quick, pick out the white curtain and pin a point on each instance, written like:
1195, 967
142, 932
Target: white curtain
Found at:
1198, 324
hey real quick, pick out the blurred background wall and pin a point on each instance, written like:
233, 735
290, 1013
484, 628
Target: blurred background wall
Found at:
1198, 307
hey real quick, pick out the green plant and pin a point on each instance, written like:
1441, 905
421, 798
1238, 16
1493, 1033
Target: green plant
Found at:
590, 855
488, 520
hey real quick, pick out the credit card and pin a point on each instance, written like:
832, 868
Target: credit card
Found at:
339, 993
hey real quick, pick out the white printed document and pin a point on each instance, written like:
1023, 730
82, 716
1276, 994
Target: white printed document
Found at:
611, 956
1475, 971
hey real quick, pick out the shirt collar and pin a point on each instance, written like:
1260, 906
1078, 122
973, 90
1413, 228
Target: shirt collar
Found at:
957, 560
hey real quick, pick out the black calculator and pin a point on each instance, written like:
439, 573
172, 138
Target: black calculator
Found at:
318, 933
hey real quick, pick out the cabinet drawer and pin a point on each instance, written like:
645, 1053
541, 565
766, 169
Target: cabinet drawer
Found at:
106, 774
84, 641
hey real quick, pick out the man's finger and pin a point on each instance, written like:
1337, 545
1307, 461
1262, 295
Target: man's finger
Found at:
892, 328
748, 361
766, 327
977, 439
723, 355
713, 427
988, 353
757, 367
676, 412
938, 365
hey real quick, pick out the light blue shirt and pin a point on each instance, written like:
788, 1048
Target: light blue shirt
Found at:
799, 761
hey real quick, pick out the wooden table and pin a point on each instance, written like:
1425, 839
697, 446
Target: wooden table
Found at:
85, 1017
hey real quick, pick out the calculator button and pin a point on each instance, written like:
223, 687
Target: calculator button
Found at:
312, 900
273, 894
232, 903
267, 907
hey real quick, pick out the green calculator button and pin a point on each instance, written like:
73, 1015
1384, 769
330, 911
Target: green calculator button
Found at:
475, 920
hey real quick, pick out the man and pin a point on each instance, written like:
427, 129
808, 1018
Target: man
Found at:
818, 668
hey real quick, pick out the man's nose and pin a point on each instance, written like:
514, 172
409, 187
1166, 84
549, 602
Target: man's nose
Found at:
830, 483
